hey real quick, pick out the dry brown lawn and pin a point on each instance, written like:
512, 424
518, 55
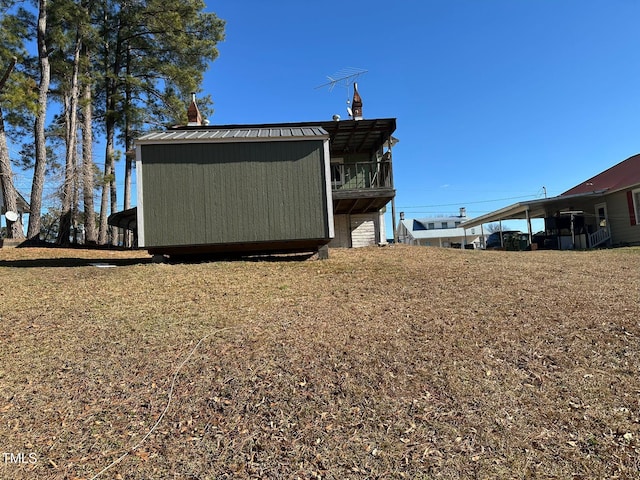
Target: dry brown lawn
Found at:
392, 362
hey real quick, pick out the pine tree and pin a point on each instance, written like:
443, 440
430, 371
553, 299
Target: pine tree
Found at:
155, 53
66, 36
119, 64
15, 99
37, 185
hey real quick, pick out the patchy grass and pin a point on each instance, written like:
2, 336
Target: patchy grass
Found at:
391, 362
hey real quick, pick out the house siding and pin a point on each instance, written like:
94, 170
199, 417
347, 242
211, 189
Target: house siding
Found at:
364, 229
622, 231
360, 230
342, 237
218, 193
413, 232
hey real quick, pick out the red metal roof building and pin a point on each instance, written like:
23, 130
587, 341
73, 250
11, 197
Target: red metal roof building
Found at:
601, 211
623, 175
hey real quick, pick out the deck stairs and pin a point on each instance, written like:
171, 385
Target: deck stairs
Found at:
599, 237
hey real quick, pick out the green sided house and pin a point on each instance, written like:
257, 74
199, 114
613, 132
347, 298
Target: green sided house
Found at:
234, 189
286, 187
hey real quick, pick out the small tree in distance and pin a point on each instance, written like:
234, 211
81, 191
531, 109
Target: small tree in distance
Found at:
494, 227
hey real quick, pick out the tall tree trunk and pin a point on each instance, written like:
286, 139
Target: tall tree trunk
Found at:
104, 201
75, 199
39, 134
71, 122
64, 229
109, 183
9, 193
128, 162
91, 234
114, 196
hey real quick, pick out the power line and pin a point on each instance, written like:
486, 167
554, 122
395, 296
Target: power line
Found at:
469, 203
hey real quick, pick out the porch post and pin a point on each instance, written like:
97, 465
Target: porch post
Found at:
393, 220
573, 233
393, 200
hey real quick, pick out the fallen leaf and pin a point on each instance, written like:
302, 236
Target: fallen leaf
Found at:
142, 455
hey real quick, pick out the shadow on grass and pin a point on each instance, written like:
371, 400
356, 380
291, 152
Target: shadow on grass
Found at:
67, 262
73, 262
230, 257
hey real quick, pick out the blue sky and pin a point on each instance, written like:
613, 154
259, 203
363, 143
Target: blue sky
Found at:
494, 99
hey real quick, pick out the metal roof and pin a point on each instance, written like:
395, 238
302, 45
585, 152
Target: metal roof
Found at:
345, 136
623, 175
534, 208
433, 233
127, 219
234, 134
358, 136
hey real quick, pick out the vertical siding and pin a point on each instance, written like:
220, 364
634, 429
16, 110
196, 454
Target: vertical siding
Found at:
234, 192
342, 237
622, 232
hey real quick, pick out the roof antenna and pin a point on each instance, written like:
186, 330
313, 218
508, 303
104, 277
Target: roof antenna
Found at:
347, 77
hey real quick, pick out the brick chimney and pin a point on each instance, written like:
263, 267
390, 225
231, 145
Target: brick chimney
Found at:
356, 104
193, 114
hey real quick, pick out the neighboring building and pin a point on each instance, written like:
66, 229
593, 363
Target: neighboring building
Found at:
234, 189
267, 187
442, 231
601, 211
22, 204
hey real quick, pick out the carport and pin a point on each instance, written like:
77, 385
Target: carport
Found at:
543, 208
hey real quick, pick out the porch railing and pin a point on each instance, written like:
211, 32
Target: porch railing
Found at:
598, 237
361, 175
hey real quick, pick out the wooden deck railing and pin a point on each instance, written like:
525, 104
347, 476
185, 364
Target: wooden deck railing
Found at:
361, 175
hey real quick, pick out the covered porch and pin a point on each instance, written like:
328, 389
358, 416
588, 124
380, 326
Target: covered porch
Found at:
570, 221
361, 187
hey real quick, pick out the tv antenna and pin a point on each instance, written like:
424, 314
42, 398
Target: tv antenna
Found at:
346, 76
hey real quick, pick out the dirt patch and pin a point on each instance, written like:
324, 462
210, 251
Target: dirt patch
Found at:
393, 362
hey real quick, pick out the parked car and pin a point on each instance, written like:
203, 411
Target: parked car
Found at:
511, 240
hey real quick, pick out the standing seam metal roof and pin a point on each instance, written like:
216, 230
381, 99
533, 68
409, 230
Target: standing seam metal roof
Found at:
230, 134
345, 136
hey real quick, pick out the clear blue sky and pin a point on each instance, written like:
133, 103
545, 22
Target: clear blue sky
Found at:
494, 99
